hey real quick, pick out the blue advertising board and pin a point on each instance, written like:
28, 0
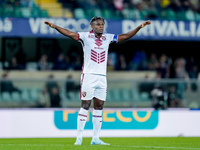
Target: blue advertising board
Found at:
148, 120
158, 30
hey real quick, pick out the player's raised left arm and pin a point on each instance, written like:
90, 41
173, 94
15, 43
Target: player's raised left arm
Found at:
131, 33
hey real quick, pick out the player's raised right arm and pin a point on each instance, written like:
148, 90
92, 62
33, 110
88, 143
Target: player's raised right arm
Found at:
63, 31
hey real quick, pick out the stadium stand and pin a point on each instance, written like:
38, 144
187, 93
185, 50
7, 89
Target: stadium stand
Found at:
153, 9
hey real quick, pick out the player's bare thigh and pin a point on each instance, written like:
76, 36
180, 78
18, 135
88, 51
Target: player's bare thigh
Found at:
98, 104
85, 104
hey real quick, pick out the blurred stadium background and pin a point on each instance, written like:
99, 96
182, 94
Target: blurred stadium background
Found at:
158, 68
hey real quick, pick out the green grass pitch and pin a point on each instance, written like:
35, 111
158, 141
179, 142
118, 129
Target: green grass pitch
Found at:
140, 143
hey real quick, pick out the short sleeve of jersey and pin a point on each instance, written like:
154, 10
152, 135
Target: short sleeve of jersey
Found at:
81, 35
112, 37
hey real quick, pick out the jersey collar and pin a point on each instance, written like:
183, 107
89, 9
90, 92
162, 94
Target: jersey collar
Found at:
95, 35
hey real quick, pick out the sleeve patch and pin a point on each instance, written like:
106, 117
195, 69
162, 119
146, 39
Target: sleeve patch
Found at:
115, 38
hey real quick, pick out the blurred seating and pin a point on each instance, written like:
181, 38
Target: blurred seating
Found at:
35, 12
77, 97
93, 12
144, 96
116, 94
17, 12
33, 94
6, 96
131, 13
98, 12
190, 15
1, 10
126, 94
8, 11
26, 12
180, 15
171, 15
78, 9
79, 13
107, 13
25, 95
16, 96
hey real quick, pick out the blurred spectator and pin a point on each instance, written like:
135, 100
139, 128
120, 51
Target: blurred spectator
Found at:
153, 62
174, 98
21, 58
193, 74
43, 63
118, 4
186, 4
108, 4
150, 84
60, 63
51, 83
158, 81
111, 63
71, 87
137, 9
88, 4
14, 65
190, 63
191, 67
44, 99
70, 4
121, 63
139, 60
175, 5
69, 63
7, 85
181, 73
163, 3
53, 91
171, 70
77, 64
180, 68
163, 67
146, 86
27, 3
159, 98
55, 98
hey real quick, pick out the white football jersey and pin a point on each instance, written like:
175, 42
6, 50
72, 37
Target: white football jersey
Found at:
95, 51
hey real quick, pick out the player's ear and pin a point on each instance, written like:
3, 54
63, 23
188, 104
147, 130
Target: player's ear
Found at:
92, 26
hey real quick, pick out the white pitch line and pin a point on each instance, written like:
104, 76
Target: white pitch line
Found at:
32, 145
61, 145
156, 147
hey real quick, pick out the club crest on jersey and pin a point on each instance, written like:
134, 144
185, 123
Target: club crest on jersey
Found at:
103, 38
84, 93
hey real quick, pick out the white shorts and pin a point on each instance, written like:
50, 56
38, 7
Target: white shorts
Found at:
93, 85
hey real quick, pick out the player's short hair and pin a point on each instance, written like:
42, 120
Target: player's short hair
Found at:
96, 18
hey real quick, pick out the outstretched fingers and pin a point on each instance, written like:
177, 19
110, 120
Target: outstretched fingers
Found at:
49, 24
145, 23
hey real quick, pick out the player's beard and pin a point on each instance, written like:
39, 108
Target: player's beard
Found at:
100, 33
